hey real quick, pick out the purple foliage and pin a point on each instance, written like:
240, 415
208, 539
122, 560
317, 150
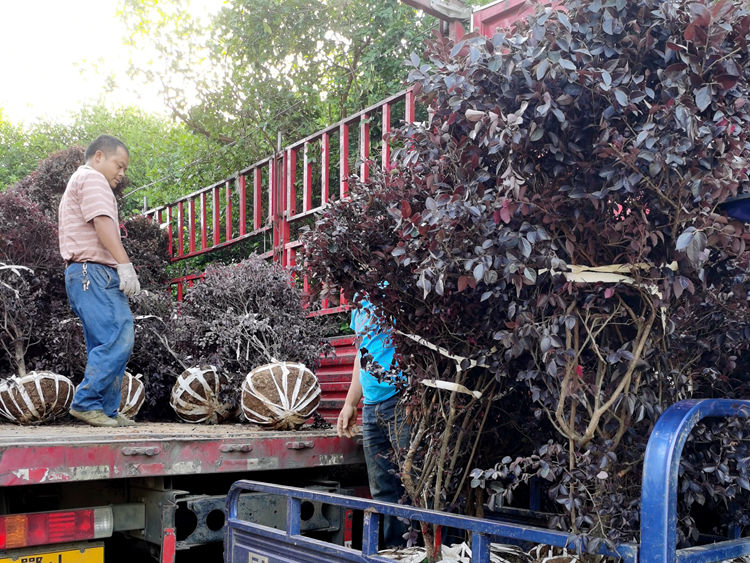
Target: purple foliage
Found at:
244, 315
603, 136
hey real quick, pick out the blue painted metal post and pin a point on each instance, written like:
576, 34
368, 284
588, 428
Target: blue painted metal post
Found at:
535, 494
243, 537
480, 548
370, 532
293, 520
233, 502
660, 471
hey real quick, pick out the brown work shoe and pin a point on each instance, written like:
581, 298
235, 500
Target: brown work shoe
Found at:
123, 420
94, 418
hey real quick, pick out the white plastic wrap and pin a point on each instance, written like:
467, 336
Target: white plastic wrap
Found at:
132, 394
195, 395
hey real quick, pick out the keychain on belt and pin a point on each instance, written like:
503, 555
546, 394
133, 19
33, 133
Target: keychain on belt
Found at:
85, 277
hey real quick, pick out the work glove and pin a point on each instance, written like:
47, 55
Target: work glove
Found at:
128, 279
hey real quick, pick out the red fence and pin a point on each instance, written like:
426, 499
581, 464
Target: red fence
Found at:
499, 15
265, 204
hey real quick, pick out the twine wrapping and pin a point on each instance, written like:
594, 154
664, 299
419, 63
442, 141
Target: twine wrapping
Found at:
200, 405
132, 394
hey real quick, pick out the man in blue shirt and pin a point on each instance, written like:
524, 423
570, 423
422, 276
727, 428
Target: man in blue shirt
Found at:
384, 427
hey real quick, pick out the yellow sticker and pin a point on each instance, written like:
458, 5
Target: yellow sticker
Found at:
86, 555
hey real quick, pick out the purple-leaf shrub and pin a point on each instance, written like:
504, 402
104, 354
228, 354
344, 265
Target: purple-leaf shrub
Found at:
554, 227
147, 246
46, 185
153, 355
29, 296
241, 316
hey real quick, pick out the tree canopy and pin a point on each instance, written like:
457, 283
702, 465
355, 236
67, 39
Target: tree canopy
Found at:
233, 82
167, 160
264, 66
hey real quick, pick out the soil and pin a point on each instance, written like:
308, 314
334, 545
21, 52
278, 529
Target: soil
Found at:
70, 431
211, 381
51, 396
320, 423
209, 394
268, 381
131, 396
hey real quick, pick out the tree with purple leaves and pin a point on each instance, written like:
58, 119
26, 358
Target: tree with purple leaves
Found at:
556, 260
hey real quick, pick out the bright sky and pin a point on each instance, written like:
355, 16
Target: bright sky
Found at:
55, 55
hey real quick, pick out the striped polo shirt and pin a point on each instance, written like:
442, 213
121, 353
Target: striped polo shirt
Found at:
87, 195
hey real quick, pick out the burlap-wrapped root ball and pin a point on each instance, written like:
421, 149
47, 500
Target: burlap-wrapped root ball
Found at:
280, 395
195, 395
39, 396
132, 394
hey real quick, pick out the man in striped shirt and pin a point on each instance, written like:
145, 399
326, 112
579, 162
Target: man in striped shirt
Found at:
99, 278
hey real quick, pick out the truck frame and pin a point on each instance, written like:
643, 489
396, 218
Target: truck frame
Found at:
162, 483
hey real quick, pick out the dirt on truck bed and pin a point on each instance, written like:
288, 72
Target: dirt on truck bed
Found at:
76, 432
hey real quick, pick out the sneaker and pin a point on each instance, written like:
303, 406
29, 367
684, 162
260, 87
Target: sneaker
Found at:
94, 418
123, 420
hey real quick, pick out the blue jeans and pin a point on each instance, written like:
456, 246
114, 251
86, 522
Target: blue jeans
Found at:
95, 297
384, 431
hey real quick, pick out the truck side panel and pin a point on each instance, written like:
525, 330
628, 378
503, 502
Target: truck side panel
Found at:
51, 454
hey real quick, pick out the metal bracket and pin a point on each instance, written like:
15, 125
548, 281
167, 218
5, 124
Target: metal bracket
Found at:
452, 9
300, 445
447, 10
144, 450
229, 448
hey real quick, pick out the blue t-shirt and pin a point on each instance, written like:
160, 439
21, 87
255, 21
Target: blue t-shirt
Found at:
380, 347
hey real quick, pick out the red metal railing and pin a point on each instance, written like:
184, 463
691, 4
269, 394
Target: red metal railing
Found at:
267, 202
501, 15
209, 223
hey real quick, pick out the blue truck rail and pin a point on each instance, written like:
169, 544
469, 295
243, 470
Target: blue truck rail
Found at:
659, 484
256, 543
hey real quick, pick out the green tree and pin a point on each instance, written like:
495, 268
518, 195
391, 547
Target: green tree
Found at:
20, 151
233, 82
167, 160
264, 66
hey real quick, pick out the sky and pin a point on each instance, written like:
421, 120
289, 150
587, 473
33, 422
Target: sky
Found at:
55, 56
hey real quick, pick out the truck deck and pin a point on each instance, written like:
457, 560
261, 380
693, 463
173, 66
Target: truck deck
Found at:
75, 452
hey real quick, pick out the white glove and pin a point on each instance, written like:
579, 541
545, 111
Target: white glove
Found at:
129, 283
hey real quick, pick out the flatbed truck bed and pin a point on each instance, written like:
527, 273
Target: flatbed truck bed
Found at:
74, 452
163, 484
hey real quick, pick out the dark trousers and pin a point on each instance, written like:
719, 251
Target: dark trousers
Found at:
384, 431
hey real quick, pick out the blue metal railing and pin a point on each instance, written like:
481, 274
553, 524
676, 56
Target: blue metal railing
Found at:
659, 483
247, 541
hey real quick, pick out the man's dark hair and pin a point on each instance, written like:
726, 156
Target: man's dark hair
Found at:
105, 143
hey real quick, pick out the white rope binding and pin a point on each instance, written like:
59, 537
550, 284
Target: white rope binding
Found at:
286, 410
207, 407
16, 397
135, 394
